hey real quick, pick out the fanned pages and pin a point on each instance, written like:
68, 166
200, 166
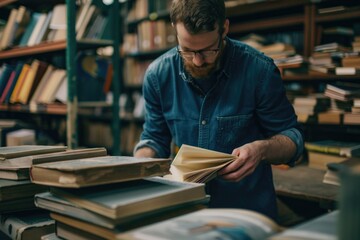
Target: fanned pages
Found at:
195, 164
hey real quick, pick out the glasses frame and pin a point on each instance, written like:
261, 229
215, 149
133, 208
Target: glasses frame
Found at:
200, 52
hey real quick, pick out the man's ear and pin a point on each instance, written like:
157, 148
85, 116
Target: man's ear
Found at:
225, 29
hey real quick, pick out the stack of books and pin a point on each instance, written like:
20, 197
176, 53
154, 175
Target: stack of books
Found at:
309, 106
321, 153
101, 197
19, 218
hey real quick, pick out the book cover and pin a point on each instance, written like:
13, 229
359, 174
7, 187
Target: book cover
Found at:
129, 198
18, 168
27, 225
29, 29
209, 224
98, 170
194, 164
341, 148
5, 96
17, 205
52, 203
24, 150
10, 190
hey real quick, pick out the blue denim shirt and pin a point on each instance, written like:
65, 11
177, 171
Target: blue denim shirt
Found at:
247, 103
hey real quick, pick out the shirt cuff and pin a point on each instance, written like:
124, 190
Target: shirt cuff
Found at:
296, 136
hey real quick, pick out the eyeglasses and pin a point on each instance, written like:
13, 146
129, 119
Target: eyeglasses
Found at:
208, 54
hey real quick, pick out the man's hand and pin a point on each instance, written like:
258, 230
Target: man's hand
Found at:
278, 149
248, 158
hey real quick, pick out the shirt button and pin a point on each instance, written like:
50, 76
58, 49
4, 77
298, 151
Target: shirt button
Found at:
203, 122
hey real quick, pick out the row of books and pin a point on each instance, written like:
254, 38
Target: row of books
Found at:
150, 36
40, 82
143, 8
25, 27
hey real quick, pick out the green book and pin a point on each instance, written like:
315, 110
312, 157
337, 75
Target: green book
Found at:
341, 148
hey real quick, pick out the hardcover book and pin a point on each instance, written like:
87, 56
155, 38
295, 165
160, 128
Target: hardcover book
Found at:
25, 150
130, 198
98, 170
194, 164
10, 189
27, 225
56, 204
18, 168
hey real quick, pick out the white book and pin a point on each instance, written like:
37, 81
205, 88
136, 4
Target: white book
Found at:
39, 25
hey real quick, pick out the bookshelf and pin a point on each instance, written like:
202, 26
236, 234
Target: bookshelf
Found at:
66, 52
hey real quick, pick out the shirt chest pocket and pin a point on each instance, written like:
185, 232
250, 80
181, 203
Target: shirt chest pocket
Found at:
233, 130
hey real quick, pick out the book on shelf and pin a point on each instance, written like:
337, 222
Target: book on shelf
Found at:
6, 35
209, 224
19, 83
18, 168
341, 148
56, 204
330, 117
26, 225
332, 173
10, 189
25, 150
35, 16
347, 70
97, 170
195, 164
125, 199
6, 94
319, 160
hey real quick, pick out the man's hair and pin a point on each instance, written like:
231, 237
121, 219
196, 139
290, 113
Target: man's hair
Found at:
199, 15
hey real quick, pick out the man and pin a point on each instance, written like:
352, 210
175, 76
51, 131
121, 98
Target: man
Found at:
220, 94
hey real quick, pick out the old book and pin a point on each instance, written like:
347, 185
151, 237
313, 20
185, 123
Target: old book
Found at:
130, 198
331, 175
26, 225
209, 224
17, 205
319, 160
194, 164
78, 228
52, 203
96, 171
18, 168
25, 150
341, 148
10, 189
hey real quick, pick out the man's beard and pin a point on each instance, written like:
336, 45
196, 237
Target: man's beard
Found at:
201, 72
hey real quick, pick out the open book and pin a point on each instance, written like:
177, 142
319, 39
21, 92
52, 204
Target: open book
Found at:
195, 164
209, 224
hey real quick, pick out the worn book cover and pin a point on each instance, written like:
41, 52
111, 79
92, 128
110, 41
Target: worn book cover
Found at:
209, 224
98, 170
194, 164
52, 203
26, 225
25, 150
10, 189
129, 198
17, 205
18, 168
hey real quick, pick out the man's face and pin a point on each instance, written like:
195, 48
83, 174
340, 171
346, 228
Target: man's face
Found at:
201, 53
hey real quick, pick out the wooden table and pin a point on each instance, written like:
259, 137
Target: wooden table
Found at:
304, 183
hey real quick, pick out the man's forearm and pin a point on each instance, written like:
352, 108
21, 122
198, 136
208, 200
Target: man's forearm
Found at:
145, 152
278, 149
